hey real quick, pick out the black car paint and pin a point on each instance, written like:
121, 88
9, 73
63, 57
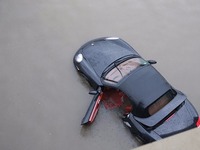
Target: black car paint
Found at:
164, 123
144, 128
157, 117
179, 120
144, 85
85, 67
139, 130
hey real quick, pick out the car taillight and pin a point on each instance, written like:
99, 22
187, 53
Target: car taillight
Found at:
198, 123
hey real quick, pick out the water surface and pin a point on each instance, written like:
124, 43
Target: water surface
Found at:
42, 98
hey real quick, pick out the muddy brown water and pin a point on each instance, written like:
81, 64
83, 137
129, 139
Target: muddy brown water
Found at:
42, 99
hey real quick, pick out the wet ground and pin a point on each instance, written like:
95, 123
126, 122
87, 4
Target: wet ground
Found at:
42, 99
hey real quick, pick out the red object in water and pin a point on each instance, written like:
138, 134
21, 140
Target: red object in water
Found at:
112, 98
128, 109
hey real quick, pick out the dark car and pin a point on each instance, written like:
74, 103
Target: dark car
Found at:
156, 109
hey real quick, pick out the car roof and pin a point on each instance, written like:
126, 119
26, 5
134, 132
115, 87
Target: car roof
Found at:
144, 85
100, 53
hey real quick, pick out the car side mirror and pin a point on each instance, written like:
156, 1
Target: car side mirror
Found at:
93, 92
152, 62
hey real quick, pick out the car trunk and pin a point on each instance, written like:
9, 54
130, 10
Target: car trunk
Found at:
182, 119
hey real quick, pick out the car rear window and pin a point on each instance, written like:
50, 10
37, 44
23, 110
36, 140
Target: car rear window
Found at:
161, 102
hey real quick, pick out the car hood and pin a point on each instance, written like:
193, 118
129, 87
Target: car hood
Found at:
101, 53
144, 85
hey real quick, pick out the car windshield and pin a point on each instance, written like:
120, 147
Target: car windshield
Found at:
123, 69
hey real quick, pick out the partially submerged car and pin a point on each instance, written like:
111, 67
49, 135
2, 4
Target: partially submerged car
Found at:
153, 109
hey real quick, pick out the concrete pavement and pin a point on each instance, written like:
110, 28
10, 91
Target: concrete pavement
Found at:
188, 140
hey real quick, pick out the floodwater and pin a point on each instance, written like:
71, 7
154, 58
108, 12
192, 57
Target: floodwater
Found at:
42, 98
